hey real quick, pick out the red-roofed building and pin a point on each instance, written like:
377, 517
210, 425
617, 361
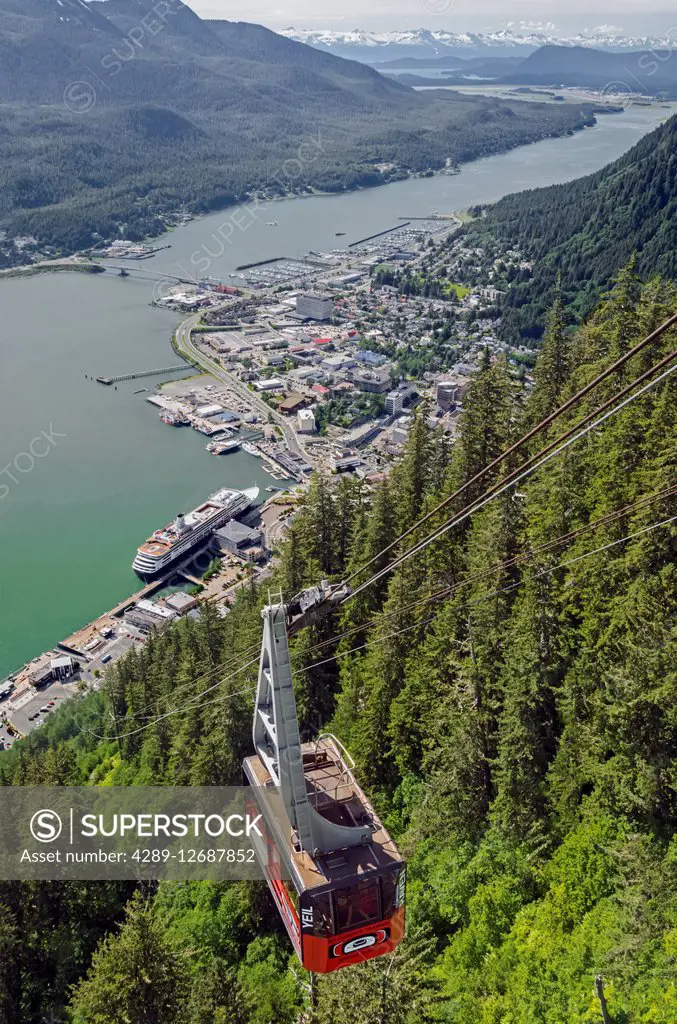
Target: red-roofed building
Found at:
320, 389
323, 341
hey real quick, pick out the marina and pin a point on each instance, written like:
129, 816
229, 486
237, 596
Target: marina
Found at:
378, 234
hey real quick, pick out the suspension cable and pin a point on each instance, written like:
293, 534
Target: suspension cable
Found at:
522, 474
543, 425
344, 654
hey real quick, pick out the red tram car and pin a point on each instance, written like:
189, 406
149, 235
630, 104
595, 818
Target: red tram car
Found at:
345, 906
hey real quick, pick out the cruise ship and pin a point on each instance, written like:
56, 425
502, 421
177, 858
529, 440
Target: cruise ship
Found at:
175, 540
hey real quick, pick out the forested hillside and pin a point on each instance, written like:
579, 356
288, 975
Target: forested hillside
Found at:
510, 698
118, 112
587, 229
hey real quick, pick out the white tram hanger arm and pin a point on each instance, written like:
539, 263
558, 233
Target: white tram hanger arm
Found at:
313, 604
277, 739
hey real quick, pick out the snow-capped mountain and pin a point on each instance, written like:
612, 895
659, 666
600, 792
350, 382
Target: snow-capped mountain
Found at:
512, 41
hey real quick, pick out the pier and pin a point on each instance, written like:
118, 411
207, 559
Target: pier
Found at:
379, 234
142, 373
261, 263
433, 216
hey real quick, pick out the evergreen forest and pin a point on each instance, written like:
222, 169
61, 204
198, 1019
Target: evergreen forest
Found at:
509, 696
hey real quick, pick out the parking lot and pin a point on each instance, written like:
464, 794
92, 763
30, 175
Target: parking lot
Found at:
29, 716
5, 739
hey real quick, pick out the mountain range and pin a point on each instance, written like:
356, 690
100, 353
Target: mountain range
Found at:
119, 111
513, 41
637, 73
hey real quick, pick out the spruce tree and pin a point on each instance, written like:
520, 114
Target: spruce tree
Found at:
553, 366
136, 976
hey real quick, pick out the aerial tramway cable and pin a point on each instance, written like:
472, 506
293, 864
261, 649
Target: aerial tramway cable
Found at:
654, 336
516, 560
521, 473
495, 593
606, 520
390, 636
231, 662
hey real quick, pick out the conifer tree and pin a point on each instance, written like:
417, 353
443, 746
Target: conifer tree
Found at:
527, 728
553, 367
389, 990
485, 424
413, 473
136, 976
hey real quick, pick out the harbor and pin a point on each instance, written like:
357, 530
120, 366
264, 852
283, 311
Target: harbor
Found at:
79, 662
69, 524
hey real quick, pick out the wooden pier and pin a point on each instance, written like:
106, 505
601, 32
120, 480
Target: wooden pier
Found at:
142, 373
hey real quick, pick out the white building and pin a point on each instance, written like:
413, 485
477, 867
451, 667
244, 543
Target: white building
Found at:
314, 305
205, 411
394, 403
62, 668
306, 421
451, 392
341, 361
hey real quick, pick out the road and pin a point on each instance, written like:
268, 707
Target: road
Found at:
187, 347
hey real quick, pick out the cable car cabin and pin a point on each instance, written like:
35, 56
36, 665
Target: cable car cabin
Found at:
340, 907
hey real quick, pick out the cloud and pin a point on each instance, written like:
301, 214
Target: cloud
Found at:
608, 30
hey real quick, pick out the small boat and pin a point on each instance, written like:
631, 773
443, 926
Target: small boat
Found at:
271, 223
340, 234
174, 419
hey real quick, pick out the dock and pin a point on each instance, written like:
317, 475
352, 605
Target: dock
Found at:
433, 216
261, 263
379, 234
141, 373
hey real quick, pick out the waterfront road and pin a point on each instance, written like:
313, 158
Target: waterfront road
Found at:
187, 347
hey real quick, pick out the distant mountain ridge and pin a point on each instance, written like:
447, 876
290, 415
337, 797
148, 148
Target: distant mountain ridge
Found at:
651, 72
117, 113
512, 41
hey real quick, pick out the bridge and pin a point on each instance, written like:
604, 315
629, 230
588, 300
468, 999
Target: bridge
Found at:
150, 275
142, 373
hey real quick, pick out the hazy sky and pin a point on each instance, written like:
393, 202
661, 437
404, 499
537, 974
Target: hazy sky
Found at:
641, 17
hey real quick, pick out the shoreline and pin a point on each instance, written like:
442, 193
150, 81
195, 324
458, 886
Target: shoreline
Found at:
81, 265
75, 644
70, 262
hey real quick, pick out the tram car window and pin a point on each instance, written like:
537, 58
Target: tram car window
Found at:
356, 906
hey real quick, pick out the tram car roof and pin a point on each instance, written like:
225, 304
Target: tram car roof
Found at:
335, 794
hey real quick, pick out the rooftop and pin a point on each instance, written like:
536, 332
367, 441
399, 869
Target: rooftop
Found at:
238, 533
